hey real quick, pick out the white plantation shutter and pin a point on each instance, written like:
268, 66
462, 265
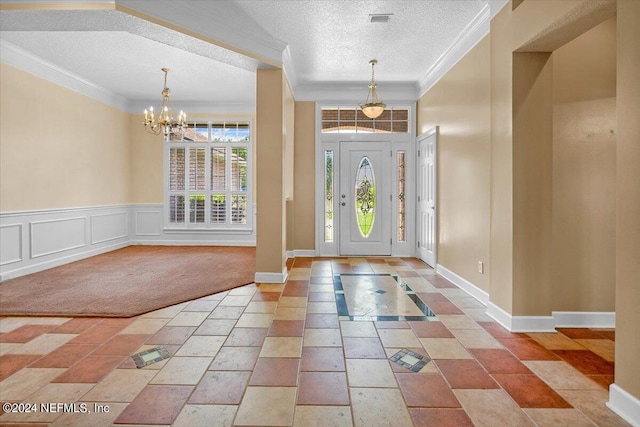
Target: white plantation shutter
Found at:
208, 175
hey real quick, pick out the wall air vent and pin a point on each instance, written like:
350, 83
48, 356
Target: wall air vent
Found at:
379, 17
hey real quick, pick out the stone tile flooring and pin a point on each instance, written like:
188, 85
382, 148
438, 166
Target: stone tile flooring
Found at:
278, 355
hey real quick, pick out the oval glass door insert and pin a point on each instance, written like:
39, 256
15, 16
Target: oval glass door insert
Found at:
365, 197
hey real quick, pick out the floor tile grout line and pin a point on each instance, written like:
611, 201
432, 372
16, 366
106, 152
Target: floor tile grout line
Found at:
510, 351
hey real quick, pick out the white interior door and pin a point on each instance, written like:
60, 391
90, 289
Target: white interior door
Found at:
427, 241
365, 198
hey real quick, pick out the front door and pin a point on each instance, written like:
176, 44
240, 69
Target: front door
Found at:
365, 198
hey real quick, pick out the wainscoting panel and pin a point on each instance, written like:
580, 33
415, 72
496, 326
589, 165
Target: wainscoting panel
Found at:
37, 240
148, 222
57, 235
33, 241
10, 243
111, 226
149, 229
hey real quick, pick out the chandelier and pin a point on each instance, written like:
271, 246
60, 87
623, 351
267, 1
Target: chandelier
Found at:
165, 123
373, 108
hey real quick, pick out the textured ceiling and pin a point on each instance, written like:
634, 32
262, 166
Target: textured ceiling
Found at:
129, 65
326, 42
334, 40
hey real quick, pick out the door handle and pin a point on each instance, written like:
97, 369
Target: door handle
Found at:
343, 204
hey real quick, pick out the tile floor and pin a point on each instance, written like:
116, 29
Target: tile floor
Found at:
278, 355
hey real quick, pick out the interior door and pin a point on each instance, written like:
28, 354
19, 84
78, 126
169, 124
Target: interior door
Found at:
365, 198
427, 241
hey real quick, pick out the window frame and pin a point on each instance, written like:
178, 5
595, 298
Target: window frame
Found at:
208, 192
348, 120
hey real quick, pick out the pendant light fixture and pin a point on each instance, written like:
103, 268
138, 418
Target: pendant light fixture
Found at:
165, 123
372, 108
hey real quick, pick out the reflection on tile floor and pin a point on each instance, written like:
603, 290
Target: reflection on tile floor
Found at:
378, 297
267, 354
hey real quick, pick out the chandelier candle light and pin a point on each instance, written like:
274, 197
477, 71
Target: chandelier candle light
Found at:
165, 122
374, 108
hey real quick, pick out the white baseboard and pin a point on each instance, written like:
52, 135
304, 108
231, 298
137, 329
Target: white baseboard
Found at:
533, 324
624, 404
189, 242
559, 319
464, 284
512, 323
584, 319
520, 323
301, 253
34, 268
261, 277
499, 315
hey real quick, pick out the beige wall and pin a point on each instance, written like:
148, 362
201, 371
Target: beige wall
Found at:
271, 211
627, 271
547, 26
59, 149
556, 270
584, 172
518, 237
147, 168
288, 117
460, 104
532, 165
304, 178
288, 126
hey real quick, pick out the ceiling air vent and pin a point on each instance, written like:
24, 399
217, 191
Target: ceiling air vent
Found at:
379, 17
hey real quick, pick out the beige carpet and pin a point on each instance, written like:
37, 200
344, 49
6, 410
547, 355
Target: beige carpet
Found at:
129, 281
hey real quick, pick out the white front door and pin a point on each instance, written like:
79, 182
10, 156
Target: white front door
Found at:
365, 198
427, 242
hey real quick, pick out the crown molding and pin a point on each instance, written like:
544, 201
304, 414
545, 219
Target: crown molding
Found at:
20, 58
224, 108
467, 39
350, 91
13, 55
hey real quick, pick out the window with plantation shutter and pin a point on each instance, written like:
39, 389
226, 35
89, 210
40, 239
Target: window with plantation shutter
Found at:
208, 176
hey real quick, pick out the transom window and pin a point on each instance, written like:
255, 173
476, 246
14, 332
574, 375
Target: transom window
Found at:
353, 120
209, 175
